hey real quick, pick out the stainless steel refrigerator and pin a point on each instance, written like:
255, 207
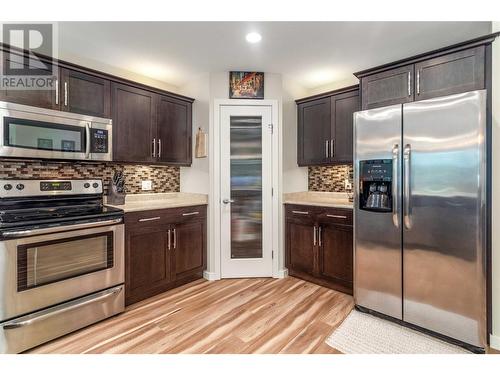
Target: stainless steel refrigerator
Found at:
420, 214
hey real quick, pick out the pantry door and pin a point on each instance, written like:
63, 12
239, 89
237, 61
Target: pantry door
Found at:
246, 191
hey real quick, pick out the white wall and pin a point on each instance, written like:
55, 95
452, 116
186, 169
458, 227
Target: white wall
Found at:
349, 81
495, 337
195, 179
294, 177
122, 73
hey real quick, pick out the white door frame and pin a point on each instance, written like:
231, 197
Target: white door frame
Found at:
213, 271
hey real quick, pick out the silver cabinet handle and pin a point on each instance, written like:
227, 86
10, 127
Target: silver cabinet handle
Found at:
190, 213
418, 82
227, 201
314, 236
168, 239
407, 188
319, 236
332, 148
159, 148
326, 148
301, 212
175, 238
154, 147
62, 228
42, 315
337, 216
150, 218
57, 91
65, 94
87, 140
395, 181
409, 83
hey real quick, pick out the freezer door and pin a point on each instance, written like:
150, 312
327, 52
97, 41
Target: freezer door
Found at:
444, 212
377, 235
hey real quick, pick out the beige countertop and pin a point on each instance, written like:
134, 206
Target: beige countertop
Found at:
318, 198
156, 201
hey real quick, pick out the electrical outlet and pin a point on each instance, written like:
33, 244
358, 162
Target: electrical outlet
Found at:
347, 184
147, 185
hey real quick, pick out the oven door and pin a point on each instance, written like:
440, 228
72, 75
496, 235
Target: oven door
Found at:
43, 270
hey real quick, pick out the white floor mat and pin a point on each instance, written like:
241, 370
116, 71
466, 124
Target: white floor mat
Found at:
363, 333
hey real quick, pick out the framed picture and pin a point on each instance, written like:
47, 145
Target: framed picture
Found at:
246, 85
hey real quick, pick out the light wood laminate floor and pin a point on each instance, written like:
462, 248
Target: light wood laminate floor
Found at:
227, 316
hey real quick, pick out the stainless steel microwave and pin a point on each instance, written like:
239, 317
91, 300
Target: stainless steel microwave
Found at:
32, 132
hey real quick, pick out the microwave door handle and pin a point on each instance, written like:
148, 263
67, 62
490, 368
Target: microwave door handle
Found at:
42, 315
407, 187
395, 180
87, 140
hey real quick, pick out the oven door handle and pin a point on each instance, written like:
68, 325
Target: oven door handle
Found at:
42, 315
63, 228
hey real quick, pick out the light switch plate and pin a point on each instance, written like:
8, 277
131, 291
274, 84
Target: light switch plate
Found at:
147, 185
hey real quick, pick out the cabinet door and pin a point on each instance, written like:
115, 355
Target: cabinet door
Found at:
85, 94
393, 86
174, 131
314, 131
450, 74
301, 247
343, 108
148, 262
134, 131
38, 98
189, 248
335, 253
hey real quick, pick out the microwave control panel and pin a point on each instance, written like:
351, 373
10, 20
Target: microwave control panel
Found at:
99, 141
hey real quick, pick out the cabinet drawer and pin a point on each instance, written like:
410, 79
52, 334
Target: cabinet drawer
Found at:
299, 212
146, 218
166, 215
336, 216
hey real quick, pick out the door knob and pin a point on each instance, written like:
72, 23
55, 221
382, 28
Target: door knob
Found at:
226, 201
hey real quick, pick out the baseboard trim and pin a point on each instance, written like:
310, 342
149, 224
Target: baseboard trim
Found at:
281, 274
210, 276
495, 342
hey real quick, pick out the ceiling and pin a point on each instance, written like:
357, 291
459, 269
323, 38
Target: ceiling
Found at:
313, 53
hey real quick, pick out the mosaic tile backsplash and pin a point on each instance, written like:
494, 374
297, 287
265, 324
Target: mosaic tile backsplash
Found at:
330, 178
164, 179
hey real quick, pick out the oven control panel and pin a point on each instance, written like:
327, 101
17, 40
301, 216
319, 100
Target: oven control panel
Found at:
55, 185
34, 188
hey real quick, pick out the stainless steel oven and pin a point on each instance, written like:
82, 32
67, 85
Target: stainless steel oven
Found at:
32, 132
47, 278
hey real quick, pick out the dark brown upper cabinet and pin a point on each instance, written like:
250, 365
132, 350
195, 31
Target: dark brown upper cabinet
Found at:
149, 125
343, 107
134, 124
325, 122
38, 98
84, 93
314, 121
174, 127
394, 86
450, 74
451, 70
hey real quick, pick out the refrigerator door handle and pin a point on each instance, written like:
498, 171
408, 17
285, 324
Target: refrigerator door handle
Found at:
407, 188
395, 179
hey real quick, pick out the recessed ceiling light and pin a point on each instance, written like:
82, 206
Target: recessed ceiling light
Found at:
253, 37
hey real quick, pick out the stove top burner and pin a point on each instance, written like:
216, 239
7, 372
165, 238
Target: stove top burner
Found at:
46, 208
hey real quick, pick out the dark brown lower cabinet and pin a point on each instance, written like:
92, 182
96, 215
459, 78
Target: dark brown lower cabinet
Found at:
319, 245
163, 250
